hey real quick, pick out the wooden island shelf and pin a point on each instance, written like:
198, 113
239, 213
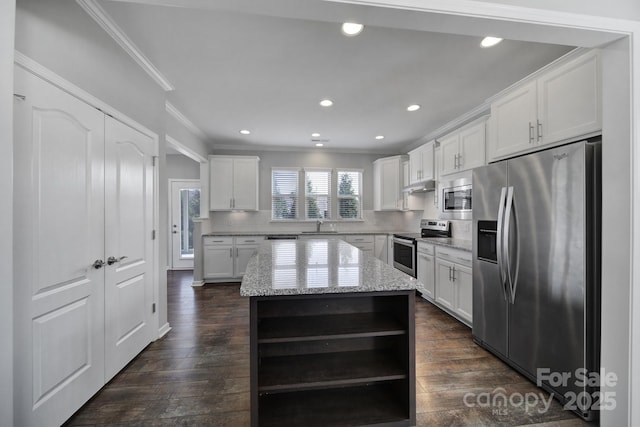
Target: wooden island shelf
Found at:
331, 356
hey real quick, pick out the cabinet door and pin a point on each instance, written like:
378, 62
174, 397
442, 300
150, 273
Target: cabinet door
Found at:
218, 262
427, 161
220, 186
569, 100
464, 293
245, 184
243, 255
437, 154
380, 247
390, 185
426, 274
444, 286
415, 166
472, 144
449, 150
513, 121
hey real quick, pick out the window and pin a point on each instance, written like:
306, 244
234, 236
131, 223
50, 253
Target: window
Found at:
284, 193
349, 194
318, 193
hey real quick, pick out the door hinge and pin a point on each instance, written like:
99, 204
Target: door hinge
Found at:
153, 307
153, 234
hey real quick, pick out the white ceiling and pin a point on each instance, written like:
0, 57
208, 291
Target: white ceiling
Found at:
243, 65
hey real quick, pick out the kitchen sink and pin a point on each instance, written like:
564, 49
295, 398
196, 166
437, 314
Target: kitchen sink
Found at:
320, 232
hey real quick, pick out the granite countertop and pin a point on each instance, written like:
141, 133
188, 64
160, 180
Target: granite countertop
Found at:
464, 245
318, 266
292, 233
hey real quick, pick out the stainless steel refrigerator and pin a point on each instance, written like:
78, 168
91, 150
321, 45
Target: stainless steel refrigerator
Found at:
536, 265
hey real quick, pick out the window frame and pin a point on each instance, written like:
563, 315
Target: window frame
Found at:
329, 195
357, 197
297, 196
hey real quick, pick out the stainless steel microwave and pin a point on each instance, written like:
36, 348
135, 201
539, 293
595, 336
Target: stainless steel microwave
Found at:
456, 199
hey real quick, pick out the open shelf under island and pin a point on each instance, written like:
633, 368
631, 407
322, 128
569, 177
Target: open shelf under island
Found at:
332, 336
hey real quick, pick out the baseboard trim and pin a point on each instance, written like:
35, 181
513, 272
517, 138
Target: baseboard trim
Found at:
164, 330
197, 283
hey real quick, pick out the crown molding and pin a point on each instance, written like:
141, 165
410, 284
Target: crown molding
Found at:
184, 120
184, 150
107, 23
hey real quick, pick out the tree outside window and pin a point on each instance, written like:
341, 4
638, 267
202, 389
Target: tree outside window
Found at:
349, 191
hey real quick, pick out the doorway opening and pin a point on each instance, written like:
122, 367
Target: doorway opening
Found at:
185, 206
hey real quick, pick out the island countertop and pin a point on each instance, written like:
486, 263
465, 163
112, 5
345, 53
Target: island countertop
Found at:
318, 266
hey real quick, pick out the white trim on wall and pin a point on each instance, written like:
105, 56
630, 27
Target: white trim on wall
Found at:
184, 150
98, 14
184, 120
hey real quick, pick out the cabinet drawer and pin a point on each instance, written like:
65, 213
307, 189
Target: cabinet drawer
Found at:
359, 239
454, 255
249, 240
426, 248
216, 240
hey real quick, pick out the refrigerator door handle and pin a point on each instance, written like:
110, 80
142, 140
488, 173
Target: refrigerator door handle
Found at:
499, 248
512, 280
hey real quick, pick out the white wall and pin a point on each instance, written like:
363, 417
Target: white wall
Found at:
625, 9
616, 236
182, 167
62, 37
7, 16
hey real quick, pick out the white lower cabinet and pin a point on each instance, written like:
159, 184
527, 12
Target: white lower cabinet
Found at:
363, 242
454, 283
218, 257
380, 248
226, 258
426, 270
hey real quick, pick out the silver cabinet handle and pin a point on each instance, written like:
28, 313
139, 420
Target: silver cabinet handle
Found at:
97, 264
530, 133
539, 130
453, 273
112, 260
459, 160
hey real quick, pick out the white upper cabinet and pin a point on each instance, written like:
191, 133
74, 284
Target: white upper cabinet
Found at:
463, 149
421, 163
233, 183
387, 183
564, 102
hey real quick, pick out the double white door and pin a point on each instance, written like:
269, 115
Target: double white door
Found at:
83, 251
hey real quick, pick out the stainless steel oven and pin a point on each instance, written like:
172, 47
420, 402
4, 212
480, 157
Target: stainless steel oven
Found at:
456, 199
404, 254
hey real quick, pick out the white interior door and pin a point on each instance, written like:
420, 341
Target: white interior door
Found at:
59, 233
129, 185
185, 205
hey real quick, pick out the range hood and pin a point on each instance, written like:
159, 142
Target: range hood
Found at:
420, 187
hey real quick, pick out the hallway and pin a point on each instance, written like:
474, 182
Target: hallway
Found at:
198, 374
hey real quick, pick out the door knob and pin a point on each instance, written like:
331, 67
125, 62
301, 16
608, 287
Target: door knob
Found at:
98, 264
112, 260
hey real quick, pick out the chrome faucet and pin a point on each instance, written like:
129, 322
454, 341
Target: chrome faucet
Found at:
318, 224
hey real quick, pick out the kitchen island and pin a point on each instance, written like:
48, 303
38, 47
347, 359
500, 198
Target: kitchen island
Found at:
332, 336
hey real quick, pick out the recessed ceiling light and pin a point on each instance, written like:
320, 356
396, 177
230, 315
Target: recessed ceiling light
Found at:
245, 132
380, 137
326, 103
319, 144
315, 134
352, 29
413, 107
490, 41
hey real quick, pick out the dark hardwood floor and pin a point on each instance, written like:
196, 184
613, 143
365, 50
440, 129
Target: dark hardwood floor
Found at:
198, 374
